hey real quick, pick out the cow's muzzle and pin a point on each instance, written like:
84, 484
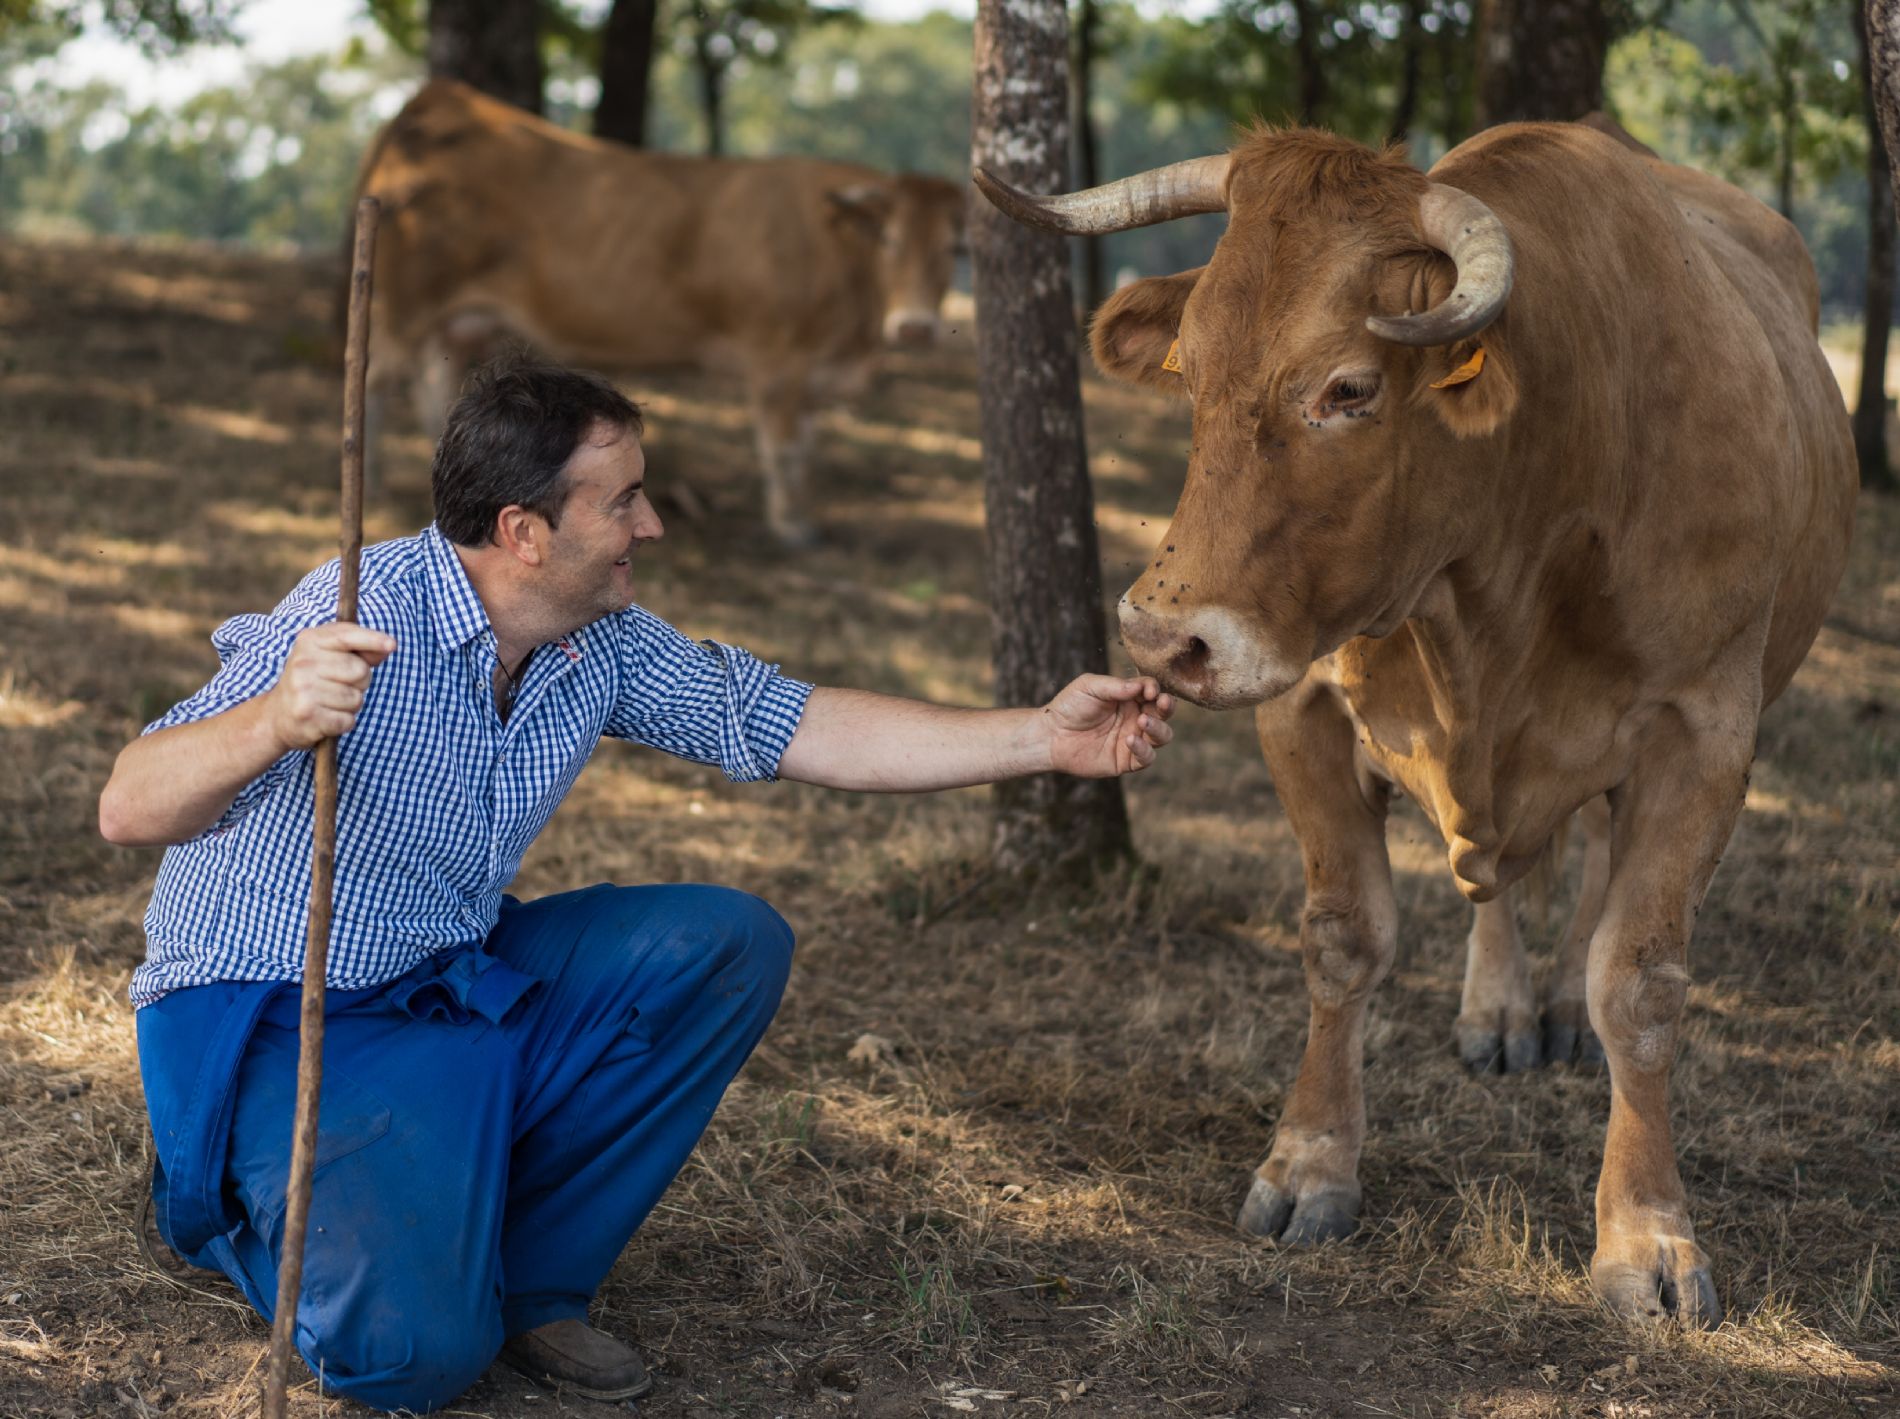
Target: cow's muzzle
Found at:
910, 327
1206, 655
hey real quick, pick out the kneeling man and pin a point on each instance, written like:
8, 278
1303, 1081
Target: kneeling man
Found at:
508, 1086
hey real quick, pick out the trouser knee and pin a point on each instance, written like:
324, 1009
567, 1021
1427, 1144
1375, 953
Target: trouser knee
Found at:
759, 939
420, 1368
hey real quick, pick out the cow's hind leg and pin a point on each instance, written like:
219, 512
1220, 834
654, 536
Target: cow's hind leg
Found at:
1568, 1037
1497, 1022
1671, 820
1307, 1190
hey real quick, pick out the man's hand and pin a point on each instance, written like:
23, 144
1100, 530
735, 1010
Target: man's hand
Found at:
1101, 727
323, 683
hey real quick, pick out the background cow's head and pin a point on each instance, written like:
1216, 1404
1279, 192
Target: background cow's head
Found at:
917, 225
1323, 480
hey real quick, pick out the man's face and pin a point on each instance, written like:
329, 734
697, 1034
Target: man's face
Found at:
589, 569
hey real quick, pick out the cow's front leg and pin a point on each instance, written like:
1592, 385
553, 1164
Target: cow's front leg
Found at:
782, 419
1567, 1034
1669, 823
1497, 1022
1307, 1190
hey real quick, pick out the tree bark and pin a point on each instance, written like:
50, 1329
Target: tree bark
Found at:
626, 70
1045, 579
1087, 167
493, 44
1411, 42
1540, 59
1870, 407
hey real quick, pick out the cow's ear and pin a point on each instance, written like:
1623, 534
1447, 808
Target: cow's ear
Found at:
1471, 386
866, 201
1135, 330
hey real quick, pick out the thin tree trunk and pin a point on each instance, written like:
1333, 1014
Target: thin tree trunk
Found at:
493, 44
1411, 41
1454, 76
712, 76
1312, 67
1045, 583
1784, 164
1540, 59
1087, 168
1870, 407
626, 70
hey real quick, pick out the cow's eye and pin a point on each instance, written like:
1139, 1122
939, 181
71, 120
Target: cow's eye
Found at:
1344, 393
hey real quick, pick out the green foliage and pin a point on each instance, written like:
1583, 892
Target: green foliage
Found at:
156, 26
1250, 59
274, 161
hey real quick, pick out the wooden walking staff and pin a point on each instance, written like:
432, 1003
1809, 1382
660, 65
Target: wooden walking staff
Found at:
303, 1147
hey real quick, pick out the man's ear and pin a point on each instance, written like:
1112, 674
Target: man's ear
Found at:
1471, 386
1137, 326
521, 534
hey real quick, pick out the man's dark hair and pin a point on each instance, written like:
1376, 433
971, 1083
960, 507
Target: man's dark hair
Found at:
508, 437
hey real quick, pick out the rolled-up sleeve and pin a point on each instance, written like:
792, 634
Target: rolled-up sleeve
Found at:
703, 700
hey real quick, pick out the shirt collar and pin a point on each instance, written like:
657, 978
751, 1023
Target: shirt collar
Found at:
455, 611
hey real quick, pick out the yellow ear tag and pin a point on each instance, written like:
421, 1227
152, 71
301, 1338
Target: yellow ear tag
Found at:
1173, 362
1464, 373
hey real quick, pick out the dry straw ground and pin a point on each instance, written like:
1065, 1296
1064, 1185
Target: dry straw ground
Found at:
1016, 1197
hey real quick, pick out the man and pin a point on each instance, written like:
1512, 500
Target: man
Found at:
508, 1086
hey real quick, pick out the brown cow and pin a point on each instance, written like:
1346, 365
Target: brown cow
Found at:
1555, 538
791, 272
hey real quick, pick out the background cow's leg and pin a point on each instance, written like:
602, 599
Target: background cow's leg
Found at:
782, 418
1308, 1188
1567, 1033
1497, 1023
1670, 821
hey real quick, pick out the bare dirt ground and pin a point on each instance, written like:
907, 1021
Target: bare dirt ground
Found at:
987, 1159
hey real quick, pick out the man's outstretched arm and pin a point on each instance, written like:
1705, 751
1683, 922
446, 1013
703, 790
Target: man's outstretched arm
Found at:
173, 784
1096, 727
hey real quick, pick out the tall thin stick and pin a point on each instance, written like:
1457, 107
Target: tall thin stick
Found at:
303, 1147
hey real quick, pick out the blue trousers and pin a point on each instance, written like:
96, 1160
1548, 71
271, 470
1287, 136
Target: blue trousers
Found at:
476, 1177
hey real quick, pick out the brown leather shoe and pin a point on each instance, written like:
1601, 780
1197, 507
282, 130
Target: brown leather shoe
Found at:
573, 1354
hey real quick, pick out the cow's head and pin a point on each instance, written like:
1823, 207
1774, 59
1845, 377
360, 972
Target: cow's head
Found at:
1324, 484
917, 225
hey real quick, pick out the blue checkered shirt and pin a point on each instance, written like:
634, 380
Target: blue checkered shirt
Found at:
438, 797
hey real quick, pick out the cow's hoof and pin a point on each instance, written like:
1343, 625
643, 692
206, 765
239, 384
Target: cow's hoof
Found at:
1676, 1285
1324, 1216
1505, 1049
797, 536
1568, 1038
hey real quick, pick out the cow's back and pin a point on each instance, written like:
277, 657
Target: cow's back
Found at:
607, 254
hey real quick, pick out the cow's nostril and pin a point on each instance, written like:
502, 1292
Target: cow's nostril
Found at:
1191, 663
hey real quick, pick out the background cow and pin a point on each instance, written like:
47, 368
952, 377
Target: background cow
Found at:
1557, 537
791, 272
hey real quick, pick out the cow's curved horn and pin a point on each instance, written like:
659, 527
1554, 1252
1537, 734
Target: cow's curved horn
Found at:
1470, 233
1184, 189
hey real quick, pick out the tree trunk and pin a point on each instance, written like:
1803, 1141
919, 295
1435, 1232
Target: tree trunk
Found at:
1540, 59
1312, 66
1045, 578
493, 44
1870, 407
712, 83
1412, 41
1087, 168
1784, 163
626, 69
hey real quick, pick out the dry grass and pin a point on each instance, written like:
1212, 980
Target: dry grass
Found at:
1016, 1192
